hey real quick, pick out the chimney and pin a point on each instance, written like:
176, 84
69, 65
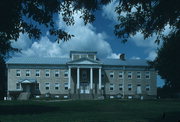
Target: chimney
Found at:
122, 56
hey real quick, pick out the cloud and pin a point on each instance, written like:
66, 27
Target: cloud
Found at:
108, 11
23, 42
86, 39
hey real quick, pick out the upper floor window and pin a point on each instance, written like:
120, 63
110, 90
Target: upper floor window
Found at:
18, 86
65, 74
129, 87
129, 75
111, 74
84, 75
47, 73
111, 87
83, 56
91, 56
147, 75
57, 86
147, 87
66, 86
37, 73
56, 73
138, 75
121, 75
47, 86
75, 56
27, 73
120, 87
18, 73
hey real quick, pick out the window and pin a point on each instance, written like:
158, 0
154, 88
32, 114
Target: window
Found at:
83, 56
120, 87
147, 87
18, 86
138, 75
57, 86
129, 87
102, 87
111, 74
27, 73
37, 86
56, 73
147, 75
121, 75
65, 74
47, 86
111, 88
91, 56
102, 75
66, 86
18, 73
129, 75
84, 75
75, 57
37, 73
47, 73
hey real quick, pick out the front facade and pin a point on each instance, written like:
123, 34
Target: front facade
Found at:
80, 75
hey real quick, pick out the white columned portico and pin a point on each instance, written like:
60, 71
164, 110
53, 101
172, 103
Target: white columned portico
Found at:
91, 78
69, 78
99, 78
78, 78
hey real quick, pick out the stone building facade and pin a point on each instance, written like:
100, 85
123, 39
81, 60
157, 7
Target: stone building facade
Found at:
81, 75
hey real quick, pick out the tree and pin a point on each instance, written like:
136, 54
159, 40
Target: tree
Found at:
150, 17
168, 61
25, 16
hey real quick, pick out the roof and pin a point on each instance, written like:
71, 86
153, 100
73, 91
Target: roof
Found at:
37, 60
61, 61
128, 62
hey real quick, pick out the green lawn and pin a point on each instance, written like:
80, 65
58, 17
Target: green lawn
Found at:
102, 110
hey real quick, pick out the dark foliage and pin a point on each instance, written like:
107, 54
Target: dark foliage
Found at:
147, 17
168, 61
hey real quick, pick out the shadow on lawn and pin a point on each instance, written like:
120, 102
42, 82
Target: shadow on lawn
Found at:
167, 117
26, 109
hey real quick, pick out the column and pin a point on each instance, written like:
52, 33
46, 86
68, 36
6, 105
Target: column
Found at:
100, 78
78, 78
91, 78
69, 78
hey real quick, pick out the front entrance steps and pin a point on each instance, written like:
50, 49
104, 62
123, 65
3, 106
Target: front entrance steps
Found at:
24, 96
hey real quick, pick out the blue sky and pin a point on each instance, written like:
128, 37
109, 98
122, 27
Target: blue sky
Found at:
97, 36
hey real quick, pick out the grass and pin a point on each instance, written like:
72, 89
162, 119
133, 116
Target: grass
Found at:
102, 110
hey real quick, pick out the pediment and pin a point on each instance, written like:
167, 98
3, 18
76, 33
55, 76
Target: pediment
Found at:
84, 61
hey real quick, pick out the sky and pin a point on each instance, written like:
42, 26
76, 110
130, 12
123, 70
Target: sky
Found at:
97, 36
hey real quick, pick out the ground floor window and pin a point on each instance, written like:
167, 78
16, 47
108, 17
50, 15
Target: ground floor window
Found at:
111, 88
37, 86
120, 87
47, 86
57, 86
102, 87
147, 87
66, 86
18, 86
129, 87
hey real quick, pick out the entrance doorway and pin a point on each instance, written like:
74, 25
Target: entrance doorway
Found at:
84, 88
139, 91
26, 87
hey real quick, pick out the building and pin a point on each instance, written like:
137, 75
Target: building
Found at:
81, 75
